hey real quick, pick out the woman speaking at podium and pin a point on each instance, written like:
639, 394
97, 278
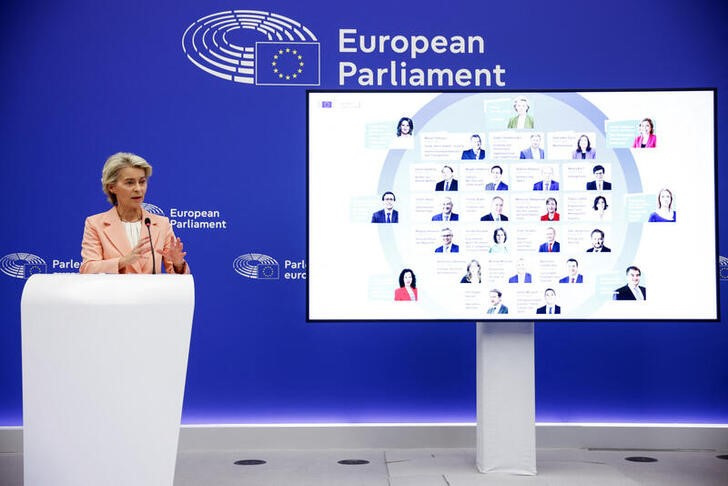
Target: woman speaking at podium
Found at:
126, 238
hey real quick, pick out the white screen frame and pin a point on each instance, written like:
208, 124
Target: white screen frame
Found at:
353, 273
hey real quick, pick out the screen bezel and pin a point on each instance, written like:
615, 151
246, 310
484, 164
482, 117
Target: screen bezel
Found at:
485, 318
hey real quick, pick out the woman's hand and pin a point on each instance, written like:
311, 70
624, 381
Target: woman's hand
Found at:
173, 253
142, 248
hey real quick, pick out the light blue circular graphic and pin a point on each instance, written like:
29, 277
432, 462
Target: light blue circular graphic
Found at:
211, 42
461, 111
151, 208
256, 266
21, 265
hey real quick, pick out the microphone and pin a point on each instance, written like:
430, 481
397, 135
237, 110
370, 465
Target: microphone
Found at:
148, 224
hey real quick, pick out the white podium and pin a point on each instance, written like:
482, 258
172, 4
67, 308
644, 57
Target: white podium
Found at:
104, 366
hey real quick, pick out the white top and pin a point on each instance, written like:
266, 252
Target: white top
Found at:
498, 248
637, 293
411, 293
133, 232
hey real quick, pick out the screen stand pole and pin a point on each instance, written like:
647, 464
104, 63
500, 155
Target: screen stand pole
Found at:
506, 404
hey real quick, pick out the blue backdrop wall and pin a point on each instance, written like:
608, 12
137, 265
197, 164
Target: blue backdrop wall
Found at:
82, 80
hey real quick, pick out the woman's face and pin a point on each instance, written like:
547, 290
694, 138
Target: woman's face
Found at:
404, 127
665, 200
550, 206
601, 203
130, 187
407, 278
500, 237
645, 127
583, 143
473, 268
521, 107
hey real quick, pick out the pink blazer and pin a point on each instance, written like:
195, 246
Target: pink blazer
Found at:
402, 294
105, 241
651, 141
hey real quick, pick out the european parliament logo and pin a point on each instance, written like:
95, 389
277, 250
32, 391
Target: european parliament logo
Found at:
151, 208
257, 266
254, 47
723, 267
22, 265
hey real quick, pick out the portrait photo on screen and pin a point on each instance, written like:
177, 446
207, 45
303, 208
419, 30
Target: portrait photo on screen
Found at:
549, 212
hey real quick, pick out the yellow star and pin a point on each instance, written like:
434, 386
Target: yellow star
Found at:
275, 70
295, 51
280, 75
288, 77
273, 63
275, 56
295, 75
300, 70
280, 51
300, 64
300, 56
287, 49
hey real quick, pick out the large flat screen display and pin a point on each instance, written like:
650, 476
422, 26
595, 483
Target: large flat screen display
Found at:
512, 205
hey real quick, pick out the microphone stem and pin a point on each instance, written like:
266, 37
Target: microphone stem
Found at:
148, 224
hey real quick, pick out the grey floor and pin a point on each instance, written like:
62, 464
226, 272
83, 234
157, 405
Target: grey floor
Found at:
429, 467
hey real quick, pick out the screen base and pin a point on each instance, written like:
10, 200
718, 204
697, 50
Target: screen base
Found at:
506, 401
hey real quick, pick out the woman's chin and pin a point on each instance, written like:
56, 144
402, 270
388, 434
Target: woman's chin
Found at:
132, 204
